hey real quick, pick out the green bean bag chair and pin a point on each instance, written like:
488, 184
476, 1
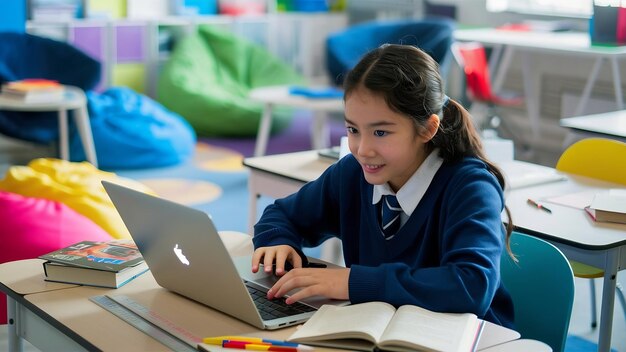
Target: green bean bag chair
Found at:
208, 77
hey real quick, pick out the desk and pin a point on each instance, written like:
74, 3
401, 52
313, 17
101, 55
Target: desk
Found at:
599, 244
60, 317
609, 125
74, 100
280, 175
279, 95
506, 42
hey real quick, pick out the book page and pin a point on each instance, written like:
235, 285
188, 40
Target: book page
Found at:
414, 327
360, 321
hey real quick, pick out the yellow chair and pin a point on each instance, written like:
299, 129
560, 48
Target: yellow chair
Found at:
601, 159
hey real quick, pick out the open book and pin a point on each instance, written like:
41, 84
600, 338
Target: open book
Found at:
365, 326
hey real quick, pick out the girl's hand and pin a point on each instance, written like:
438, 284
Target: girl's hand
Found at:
330, 283
275, 255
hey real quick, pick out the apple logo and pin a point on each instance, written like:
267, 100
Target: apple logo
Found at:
180, 255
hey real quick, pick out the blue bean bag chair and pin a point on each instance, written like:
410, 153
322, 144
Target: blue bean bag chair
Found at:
28, 56
345, 48
133, 131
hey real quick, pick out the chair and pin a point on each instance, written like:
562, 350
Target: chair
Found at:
208, 78
472, 58
601, 159
345, 48
543, 299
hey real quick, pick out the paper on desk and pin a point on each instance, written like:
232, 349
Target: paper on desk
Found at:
578, 200
520, 175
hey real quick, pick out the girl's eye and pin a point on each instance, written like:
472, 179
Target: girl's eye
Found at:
379, 133
352, 130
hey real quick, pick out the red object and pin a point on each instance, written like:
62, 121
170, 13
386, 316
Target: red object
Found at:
473, 59
255, 346
35, 226
621, 26
520, 27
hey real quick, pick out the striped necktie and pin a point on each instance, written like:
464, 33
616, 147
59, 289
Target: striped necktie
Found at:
390, 216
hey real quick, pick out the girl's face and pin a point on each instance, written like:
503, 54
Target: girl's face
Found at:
384, 142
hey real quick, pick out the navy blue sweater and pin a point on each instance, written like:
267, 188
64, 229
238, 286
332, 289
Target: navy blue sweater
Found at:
445, 258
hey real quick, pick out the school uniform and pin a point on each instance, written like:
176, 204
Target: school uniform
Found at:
445, 256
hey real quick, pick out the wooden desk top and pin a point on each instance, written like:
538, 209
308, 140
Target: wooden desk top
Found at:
26, 277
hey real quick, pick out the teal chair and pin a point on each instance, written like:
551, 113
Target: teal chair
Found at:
541, 284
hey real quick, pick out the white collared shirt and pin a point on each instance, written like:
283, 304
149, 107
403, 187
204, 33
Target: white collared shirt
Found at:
415, 187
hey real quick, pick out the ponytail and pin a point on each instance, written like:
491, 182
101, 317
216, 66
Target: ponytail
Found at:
458, 138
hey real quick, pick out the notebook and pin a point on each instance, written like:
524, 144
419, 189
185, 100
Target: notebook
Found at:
186, 255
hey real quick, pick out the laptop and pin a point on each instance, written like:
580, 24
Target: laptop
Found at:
187, 256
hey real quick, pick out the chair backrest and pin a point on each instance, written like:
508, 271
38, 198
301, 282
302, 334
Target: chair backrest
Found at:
541, 284
345, 48
598, 158
472, 57
24, 55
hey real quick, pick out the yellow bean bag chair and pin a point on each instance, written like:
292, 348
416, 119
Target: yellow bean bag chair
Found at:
76, 185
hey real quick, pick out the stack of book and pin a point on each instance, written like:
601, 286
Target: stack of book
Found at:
33, 91
103, 264
609, 206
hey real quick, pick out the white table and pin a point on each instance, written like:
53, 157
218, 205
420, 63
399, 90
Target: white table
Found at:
602, 245
608, 125
74, 100
279, 95
578, 44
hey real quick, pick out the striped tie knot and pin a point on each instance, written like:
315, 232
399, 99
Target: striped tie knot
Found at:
390, 216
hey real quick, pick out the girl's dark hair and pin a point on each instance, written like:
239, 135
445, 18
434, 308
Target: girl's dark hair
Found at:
409, 81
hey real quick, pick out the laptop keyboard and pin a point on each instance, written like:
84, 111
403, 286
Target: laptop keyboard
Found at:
275, 308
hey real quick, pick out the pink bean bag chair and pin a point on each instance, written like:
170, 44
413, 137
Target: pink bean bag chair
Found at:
35, 226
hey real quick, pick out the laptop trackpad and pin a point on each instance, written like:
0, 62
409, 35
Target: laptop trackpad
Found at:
261, 278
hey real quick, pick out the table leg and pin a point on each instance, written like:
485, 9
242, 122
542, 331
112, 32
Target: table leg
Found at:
15, 341
320, 132
502, 68
584, 98
264, 130
253, 198
608, 301
63, 135
81, 118
617, 84
531, 93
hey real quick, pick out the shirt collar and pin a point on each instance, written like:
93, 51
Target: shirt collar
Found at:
414, 189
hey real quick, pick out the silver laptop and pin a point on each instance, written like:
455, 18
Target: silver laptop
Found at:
186, 255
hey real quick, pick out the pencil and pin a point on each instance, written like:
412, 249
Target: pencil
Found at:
538, 206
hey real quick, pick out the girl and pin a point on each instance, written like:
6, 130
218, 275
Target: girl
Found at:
410, 141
